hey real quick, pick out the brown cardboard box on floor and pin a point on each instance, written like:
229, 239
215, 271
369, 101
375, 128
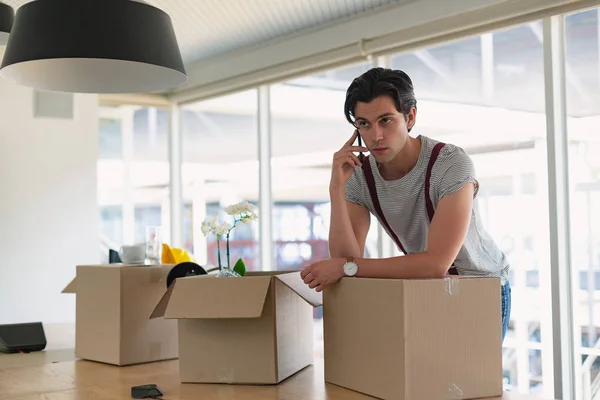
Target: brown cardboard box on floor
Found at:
414, 339
256, 329
112, 318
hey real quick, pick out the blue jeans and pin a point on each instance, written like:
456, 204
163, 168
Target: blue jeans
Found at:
506, 303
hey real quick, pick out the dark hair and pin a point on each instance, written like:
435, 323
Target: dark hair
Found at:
380, 82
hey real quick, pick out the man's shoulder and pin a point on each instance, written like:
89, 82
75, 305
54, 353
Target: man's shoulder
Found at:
449, 154
452, 168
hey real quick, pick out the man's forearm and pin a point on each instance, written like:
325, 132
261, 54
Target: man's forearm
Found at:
418, 265
342, 240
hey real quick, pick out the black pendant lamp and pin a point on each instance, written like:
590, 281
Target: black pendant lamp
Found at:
93, 46
7, 16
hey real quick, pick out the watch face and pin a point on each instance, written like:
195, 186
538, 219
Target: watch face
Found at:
350, 268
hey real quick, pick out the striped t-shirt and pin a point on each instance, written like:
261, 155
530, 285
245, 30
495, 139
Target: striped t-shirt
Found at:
403, 204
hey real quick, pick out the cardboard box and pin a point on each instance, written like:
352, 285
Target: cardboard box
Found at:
414, 339
256, 329
113, 307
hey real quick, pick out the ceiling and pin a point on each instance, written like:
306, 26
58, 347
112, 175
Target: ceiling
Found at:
207, 28
230, 45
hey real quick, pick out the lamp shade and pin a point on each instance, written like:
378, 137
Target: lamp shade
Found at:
7, 16
93, 46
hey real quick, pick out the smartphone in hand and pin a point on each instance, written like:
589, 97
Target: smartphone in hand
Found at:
361, 156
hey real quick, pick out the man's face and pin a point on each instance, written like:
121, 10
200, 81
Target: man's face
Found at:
383, 128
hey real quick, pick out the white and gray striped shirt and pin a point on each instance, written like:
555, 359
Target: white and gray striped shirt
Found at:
403, 203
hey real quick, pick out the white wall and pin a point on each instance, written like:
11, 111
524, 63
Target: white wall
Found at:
48, 206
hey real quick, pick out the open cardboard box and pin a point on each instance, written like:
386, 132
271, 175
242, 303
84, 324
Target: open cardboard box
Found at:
406, 339
256, 329
113, 306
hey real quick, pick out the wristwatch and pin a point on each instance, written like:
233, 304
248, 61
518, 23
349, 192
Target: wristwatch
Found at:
350, 267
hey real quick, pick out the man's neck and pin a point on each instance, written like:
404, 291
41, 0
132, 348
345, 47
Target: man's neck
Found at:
404, 162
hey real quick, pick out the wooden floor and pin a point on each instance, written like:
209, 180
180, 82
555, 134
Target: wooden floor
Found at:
55, 374
86, 380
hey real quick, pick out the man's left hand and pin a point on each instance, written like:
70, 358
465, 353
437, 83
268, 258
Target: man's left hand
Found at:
323, 273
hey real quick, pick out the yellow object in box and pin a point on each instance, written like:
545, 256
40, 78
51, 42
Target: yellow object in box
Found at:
172, 255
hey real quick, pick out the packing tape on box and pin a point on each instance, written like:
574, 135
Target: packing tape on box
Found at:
226, 375
455, 393
451, 285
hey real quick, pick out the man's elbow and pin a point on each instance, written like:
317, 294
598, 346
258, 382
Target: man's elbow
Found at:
439, 266
437, 272
336, 251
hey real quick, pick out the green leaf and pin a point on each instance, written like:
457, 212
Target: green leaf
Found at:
240, 267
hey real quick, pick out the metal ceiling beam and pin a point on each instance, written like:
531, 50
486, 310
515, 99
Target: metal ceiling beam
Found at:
337, 45
325, 83
343, 38
136, 99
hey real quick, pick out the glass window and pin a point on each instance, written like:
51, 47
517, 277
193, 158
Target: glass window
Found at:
133, 175
220, 168
486, 95
110, 184
110, 172
111, 143
583, 124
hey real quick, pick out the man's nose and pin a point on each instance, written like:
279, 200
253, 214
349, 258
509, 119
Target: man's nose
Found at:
377, 133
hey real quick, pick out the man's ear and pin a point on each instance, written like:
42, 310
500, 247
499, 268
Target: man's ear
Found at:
411, 118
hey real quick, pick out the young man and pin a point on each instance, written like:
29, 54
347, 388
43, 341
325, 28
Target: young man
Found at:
421, 190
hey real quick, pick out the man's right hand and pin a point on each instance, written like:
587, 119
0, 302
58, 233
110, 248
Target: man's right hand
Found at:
344, 162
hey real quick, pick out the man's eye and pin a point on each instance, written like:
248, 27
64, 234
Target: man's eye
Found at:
386, 120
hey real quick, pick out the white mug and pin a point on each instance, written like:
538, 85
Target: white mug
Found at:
133, 254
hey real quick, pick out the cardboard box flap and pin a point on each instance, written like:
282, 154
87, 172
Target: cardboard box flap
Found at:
211, 297
161, 307
294, 281
71, 287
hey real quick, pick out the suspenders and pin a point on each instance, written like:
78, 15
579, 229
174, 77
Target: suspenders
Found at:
428, 204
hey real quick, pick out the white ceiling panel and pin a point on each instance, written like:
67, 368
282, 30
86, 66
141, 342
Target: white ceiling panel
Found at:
206, 28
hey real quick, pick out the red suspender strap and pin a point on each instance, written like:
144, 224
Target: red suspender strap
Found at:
373, 190
430, 211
